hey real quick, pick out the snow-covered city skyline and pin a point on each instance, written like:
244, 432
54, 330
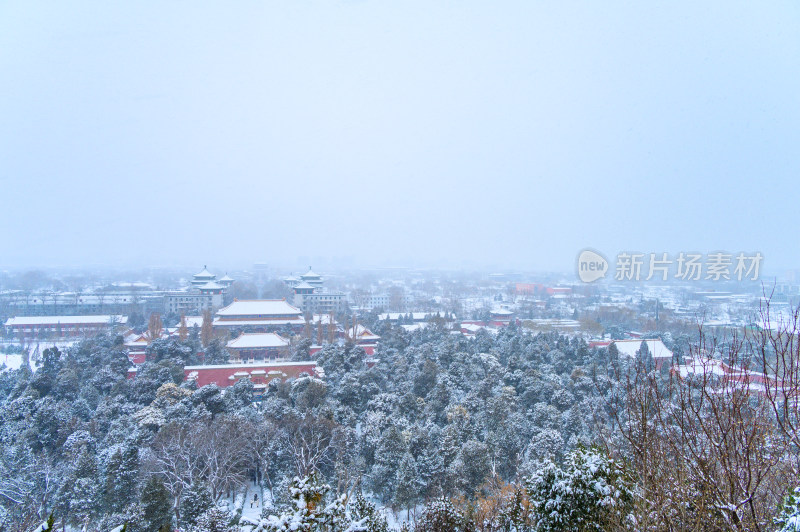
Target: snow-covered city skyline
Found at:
418, 266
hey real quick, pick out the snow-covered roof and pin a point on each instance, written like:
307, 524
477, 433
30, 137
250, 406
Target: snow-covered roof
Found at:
246, 365
702, 366
259, 307
556, 323
193, 321
501, 312
71, 320
204, 274
303, 285
242, 322
258, 340
211, 285
360, 332
656, 347
309, 274
14, 362
418, 316
324, 318
732, 376
226, 278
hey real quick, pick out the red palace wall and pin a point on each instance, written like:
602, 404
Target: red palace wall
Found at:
219, 374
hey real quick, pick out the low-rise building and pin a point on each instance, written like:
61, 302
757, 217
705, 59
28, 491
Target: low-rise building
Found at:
181, 302
319, 301
102, 302
27, 327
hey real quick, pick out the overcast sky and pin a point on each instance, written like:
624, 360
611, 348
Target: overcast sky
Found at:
506, 135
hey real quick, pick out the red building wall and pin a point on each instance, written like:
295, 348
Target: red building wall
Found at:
219, 374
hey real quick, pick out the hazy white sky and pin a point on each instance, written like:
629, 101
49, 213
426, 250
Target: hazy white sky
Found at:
497, 134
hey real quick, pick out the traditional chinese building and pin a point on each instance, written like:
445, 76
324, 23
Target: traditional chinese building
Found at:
363, 337
660, 353
136, 345
311, 278
500, 317
259, 315
224, 375
203, 293
226, 281
258, 347
311, 297
203, 277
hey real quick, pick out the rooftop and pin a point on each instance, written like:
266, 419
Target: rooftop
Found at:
204, 274
244, 366
310, 274
193, 321
259, 307
656, 347
258, 340
257, 322
359, 332
77, 320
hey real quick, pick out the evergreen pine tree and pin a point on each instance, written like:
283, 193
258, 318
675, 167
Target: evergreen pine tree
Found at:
215, 519
47, 526
432, 469
613, 356
409, 483
156, 507
644, 358
441, 516
195, 502
789, 516
120, 478
589, 493
366, 516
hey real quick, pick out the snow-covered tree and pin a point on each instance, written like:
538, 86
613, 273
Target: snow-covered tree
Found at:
309, 511
214, 519
156, 505
366, 517
789, 515
408, 483
441, 516
195, 502
589, 493
121, 470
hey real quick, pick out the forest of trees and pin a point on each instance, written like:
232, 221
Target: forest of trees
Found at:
514, 431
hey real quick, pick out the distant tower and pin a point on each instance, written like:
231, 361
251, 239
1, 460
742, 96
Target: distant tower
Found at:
204, 277
312, 278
